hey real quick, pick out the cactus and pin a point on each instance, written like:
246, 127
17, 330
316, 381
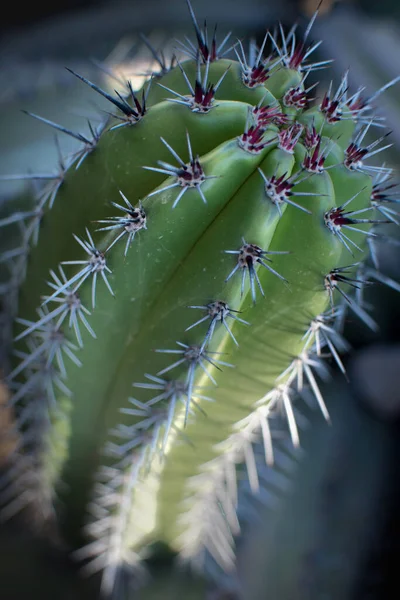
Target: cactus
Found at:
173, 286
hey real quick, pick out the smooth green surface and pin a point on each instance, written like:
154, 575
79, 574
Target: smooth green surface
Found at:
126, 324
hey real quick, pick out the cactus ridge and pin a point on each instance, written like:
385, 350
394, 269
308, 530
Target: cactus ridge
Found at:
251, 223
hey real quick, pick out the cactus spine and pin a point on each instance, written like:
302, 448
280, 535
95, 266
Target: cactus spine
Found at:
186, 268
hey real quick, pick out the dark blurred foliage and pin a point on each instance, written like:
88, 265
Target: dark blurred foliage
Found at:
381, 7
16, 20
34, 12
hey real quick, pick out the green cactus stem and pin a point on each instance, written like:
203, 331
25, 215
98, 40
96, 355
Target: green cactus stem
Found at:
185, 270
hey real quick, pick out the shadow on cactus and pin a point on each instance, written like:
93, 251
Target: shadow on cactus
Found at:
174, 287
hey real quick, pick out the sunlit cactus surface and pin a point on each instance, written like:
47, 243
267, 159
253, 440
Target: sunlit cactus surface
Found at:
170, 291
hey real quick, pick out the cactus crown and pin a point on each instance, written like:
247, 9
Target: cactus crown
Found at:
175, 285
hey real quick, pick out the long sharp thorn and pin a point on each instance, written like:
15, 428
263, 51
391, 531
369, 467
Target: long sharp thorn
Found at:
96, 88
77, 136
152, 50
197, 29
27, 177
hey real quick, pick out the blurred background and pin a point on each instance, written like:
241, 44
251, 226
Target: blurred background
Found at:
336, 535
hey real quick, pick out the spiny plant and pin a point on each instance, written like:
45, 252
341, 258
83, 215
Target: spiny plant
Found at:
174, 286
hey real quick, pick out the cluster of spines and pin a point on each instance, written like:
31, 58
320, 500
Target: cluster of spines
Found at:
212, 494
48, 345
210, 519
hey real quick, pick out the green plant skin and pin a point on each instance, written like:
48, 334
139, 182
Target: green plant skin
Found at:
263, 346
342, 131
135, 318
231, 87
180, 261
116, 165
